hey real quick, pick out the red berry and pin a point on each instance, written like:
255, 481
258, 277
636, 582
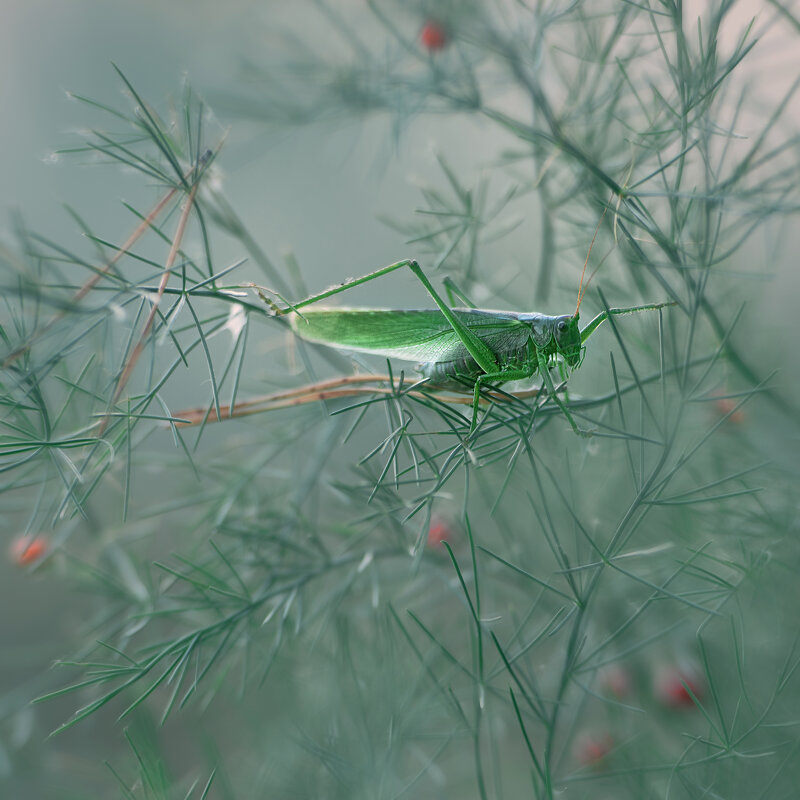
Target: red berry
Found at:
591, 750
725, 405
616, 681
26, 550
438, 532
675, 687
433, 36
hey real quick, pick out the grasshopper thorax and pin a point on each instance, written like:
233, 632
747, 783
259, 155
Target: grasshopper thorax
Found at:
556, 336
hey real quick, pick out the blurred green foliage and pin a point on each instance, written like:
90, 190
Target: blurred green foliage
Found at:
602, 618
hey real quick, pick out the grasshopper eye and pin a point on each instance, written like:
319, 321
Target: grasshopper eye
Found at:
562, 326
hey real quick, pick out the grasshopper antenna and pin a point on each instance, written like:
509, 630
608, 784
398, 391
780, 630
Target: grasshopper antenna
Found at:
594, 272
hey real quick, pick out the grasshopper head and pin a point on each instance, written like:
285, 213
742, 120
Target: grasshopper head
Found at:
568, 339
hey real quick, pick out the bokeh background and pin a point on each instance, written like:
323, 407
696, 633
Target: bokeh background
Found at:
318, 190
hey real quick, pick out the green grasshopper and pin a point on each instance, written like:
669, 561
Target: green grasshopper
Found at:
457, 347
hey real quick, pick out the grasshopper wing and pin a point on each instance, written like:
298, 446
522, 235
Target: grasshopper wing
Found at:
414, 335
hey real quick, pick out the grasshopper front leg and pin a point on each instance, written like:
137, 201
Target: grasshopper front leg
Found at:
604, 315
548, 382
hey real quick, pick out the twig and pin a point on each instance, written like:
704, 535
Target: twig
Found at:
137, 350
95, 279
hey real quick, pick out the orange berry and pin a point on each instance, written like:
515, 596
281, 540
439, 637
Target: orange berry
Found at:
28, 549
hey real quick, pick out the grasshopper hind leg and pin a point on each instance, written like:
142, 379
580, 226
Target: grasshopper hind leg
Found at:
504, 376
